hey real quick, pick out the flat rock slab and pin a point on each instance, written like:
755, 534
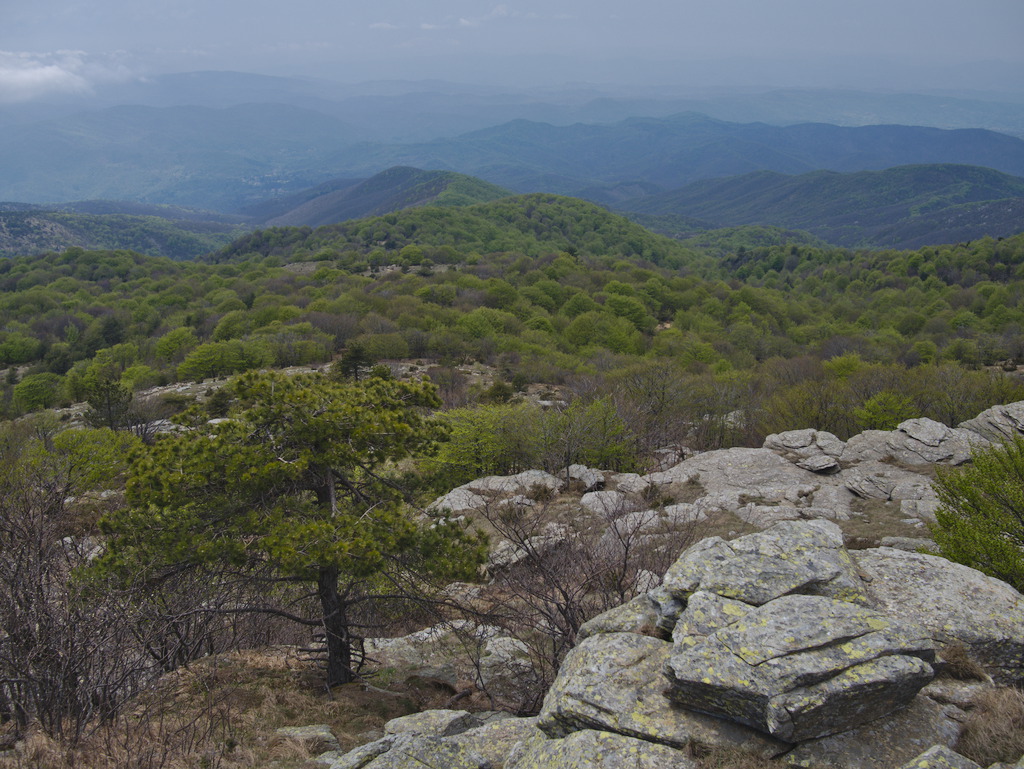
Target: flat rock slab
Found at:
615, 682
494, 741
955, 603
591, 749
791, 557
439, 723
802, 667
425, 752
316, 738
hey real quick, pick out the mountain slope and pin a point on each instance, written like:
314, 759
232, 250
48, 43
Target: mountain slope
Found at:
391, 190
34, 231
903, 207
675, 151
533, 225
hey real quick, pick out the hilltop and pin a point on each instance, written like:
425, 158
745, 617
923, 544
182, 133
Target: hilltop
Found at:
391, 190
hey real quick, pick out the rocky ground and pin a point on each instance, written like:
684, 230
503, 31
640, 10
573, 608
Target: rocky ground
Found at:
805, 629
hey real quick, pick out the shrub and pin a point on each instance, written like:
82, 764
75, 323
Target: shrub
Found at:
980, 520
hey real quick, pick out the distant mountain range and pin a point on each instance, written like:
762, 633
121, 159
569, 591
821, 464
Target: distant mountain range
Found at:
904, 207
236, 158
672, 152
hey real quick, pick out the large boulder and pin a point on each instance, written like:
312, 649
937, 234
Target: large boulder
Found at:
813, 450
615, 682
804, 557
803, 666
956, 604
915, 442
440, 723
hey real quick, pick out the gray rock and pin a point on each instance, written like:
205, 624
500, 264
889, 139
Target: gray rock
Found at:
914, 442
520, 483
590, 749
459, 500
910, 544
636, 616
998, 423
590, 478
494, 741
438, 723
881, 744
802, 667
606, 503
429, 653
706, 613
363, 755
615, 682
804, 557
315, 738
631, 483
940, 757
811, 450
955, 603
951, 691
926, 442
425, 752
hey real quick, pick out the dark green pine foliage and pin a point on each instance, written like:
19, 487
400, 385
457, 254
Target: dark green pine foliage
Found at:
296, 479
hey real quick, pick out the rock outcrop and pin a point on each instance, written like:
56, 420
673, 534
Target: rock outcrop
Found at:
781, 642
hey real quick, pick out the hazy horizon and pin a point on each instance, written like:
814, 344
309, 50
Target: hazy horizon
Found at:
54, 48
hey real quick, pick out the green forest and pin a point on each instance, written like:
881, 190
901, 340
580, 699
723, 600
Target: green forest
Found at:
544, 291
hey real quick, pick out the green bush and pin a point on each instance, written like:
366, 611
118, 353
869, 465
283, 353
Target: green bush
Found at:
980, 520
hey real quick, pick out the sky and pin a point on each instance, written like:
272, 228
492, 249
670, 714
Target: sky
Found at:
50, 47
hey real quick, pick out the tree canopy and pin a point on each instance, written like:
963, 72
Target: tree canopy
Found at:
296, 480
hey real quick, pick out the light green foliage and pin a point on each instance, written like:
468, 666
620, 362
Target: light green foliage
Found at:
981, 513
173, 345
505, 438
37, 391
884, 411
295, 479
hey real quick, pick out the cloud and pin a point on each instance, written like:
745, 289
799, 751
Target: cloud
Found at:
28, 76
383, 25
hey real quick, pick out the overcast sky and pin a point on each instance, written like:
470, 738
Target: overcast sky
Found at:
51, 46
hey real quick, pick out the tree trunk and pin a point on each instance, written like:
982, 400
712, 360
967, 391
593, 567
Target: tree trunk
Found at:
339, 643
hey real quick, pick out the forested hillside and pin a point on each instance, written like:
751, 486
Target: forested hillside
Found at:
542, 290
902, 207
37, 230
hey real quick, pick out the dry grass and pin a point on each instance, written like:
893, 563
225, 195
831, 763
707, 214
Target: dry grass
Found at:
995, 729
222, 713
733, 758
959, 664
874, 519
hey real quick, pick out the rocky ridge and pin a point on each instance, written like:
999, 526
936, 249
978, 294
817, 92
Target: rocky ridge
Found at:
783, 642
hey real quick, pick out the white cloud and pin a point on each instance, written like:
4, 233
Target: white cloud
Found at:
28, 76
383, 25
426, 26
